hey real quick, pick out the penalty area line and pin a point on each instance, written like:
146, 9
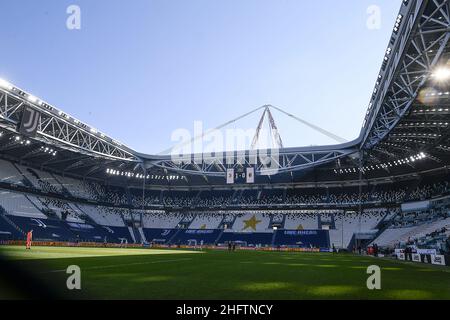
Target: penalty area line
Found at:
121, 265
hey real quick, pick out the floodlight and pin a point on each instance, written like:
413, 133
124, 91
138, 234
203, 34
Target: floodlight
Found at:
442, 74
5, 84
32, 99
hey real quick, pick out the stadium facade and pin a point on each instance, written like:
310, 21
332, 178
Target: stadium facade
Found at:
69, 182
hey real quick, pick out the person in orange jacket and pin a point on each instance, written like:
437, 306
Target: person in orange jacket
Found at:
29, 239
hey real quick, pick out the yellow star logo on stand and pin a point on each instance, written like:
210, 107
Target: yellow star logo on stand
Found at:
300, 227
203, 227
251, 223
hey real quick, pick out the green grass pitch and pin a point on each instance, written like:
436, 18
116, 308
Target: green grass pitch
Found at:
212, 274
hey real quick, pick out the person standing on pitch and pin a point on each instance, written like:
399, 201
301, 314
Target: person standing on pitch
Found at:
29, 239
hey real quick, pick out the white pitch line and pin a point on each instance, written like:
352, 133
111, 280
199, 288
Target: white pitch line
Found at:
120, 265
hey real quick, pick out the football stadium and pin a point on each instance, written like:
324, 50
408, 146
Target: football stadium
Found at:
84, 216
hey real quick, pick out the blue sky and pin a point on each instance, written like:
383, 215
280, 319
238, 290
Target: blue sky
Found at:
138, 70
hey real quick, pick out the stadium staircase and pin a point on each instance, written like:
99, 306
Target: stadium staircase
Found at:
174, 236
187, 222
141, 228
283, 221
36, 176
229, 224
43, 208
383, 225
220, 236
411, 188
195, 200
270, 221
131, 229
135, 234
142, 235
25, 180
132, 234
333, 222
63, 188
221, 226
328, 239
129, 197
272, 243
86, 217
9, 221
258, 195
351, 243
237, 195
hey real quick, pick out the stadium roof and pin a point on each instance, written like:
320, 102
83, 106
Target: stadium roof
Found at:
406, 128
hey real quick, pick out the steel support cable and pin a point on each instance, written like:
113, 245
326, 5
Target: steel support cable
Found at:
265, 107
312, 126
201, 136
